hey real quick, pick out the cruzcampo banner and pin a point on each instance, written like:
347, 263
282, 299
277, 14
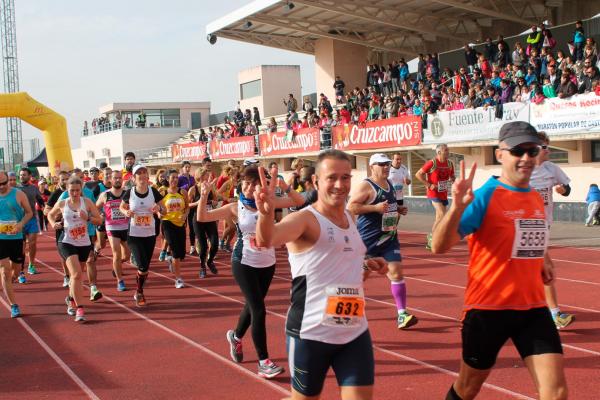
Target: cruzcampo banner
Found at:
472, 124
188, 151
240, 147
305, 140
577, 114
392, 132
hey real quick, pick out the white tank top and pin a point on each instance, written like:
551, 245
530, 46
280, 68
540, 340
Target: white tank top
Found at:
75, 229
327, 290
142, 220
245, 250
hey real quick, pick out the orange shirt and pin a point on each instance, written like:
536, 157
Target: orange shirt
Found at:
507, 237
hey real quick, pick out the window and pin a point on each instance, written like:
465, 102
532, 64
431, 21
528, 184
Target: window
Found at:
250, 89
559, 156
595, 150
114, 161
86, 164
99, 161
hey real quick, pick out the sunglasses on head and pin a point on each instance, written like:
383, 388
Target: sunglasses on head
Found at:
519, 151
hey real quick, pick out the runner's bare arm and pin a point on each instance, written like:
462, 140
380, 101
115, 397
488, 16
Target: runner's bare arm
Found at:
28, 213
95, 217
446, 235
55, 213
362, 195
101, 200
203, 215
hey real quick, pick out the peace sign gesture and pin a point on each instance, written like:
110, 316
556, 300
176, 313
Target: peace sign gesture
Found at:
206, 187
264, 193
462, 189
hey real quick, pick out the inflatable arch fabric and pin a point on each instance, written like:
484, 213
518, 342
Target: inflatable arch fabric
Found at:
53, 126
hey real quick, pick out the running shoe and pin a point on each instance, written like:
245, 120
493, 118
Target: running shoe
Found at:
139, 298
202, 273
15, 311
170, 263
31, 269
121, 286
70, 306
179, 283
95, 294
235, 347
79, 315
406, 320
269, 369
192, 250
213, 268
66, 281
22, 278
429, 239
162, 256
227, 247
562, 320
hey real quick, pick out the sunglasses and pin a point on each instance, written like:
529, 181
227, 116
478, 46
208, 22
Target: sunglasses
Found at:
4, 183
544, 147
518, 151
383, 164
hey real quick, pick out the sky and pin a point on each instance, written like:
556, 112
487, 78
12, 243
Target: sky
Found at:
75, 56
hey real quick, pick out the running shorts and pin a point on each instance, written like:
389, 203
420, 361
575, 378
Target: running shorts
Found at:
484, 332
352, 363
31, 227
390, 251
120, 234
436, 200
175, 236
12, 249
67, 250
141, 251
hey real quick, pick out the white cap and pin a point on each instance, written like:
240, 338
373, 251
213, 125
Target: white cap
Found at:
379, 158
250, 161
137, 167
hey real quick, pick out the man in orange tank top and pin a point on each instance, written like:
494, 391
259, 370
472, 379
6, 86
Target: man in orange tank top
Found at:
504, 222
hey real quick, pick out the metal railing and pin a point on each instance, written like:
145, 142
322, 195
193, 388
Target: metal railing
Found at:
112, 126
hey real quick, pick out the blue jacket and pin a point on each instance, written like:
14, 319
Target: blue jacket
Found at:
593, 194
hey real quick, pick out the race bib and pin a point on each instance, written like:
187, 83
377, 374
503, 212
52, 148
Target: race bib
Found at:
444, 186
77, 232
398, 190
389, 221
116, 214
545, 193
8, 227
531, 238
174, 205
142, 219
345, 306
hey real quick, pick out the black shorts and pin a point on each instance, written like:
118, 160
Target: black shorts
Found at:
101, 228
141, 251
58, 234
484, 332
353, 363
400, 202
12, 249
120, 234
175, 237
67, 250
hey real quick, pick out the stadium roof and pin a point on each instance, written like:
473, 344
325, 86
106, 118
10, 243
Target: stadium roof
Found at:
405, 27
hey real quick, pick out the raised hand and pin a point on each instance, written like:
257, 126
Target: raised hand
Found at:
462, 189
264, 193
205, 188
83, 215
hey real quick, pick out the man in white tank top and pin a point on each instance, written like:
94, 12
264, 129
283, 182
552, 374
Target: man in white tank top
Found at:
327, 316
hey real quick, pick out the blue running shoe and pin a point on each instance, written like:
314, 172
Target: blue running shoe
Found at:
22, 278
162, 256
15, 311
121, 286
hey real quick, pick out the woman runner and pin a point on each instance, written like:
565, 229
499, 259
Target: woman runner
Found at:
173, 224
140, 203
253, 267
74, 244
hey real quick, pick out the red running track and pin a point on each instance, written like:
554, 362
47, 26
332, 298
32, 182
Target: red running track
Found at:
175, 347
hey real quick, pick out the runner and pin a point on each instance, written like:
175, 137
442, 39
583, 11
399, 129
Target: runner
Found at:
507, 236
161, 183
31, 228
117, 225
400, 177
252, 266
173, 221
226, 185
294, 178
92, 272
278, 192
186, 181
45, 193
128, 180
104, 185
63, 178
437, 175
548, 178
12, 179
140, 203
15, 211
206, 232
374, 202
75, 245
326, 324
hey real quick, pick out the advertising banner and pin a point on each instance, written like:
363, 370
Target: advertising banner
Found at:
472, 124
393, 132
577, 114
188, 151
240, 147
278, 143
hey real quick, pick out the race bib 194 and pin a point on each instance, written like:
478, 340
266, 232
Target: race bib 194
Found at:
345, 306
531, 238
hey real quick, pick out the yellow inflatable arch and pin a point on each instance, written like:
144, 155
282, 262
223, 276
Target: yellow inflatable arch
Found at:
53, 126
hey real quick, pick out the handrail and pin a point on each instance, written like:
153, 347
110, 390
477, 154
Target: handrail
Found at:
112, 126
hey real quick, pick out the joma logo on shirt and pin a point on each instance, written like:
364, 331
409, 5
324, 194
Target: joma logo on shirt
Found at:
342, 290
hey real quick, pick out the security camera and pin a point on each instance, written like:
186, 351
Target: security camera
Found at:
212, 38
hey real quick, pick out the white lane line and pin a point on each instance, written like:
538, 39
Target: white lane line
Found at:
187, 340
90, 393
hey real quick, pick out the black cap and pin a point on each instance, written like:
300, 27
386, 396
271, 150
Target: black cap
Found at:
94, 169
518, 132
